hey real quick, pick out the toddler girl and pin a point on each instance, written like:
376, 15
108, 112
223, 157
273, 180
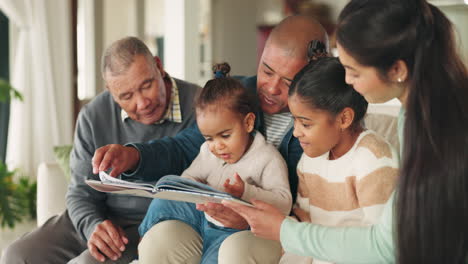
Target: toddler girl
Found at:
234, 158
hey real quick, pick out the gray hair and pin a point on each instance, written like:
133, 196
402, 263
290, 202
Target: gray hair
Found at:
119, 56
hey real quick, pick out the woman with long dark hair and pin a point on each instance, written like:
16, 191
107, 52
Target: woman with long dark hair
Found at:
402, 49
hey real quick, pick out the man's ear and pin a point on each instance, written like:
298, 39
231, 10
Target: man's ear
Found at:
346, 118
249, 122
159, 65
398, 72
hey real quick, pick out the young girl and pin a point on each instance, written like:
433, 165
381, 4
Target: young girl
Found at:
347, 173
402, 49
234, 158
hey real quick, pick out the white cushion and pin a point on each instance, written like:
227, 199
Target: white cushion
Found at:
51, 191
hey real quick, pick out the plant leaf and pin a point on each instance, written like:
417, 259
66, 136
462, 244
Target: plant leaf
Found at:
17, 199
7, 92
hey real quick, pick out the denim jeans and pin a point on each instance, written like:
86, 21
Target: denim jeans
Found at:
212, 235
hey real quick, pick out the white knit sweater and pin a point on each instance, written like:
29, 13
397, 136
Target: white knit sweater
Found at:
262, 168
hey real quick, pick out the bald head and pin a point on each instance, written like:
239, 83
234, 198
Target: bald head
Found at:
284, 55
294, 34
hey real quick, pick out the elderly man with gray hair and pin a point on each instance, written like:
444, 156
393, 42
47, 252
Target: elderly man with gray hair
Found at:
141, 103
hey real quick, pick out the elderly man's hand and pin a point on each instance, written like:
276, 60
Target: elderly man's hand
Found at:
107, 239
224, 215
117, 157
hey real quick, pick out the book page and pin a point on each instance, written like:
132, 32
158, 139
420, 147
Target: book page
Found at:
196, 197
168, 187
120, 189
172, 182
107, 179
183, 189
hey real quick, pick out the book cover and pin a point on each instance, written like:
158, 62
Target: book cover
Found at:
169, 187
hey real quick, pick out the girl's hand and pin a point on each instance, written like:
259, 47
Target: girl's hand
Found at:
264, 219
236, 188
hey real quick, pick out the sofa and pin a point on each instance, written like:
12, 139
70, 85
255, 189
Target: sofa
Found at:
52, 181
51, 189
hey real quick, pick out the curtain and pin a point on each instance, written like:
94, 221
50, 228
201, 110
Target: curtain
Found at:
42, 71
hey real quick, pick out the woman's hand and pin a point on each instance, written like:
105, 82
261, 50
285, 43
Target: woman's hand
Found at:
224, 215
264, 219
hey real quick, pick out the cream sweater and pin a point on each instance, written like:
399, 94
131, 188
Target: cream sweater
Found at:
351, 190
262, 168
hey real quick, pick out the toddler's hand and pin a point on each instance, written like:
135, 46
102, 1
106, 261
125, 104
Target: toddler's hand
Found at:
236, 188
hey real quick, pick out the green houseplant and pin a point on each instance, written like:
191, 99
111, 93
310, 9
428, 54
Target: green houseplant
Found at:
17, 194
7, 92
17, 198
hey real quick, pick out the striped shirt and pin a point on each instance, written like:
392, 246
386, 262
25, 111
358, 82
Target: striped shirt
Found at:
173, 113
365, 245
276, 127
351, 190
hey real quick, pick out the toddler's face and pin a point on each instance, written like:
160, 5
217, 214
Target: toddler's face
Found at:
317, 130
227, 133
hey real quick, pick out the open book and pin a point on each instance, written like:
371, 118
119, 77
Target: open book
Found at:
169, 187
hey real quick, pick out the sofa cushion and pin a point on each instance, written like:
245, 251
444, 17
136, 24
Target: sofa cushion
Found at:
62, 155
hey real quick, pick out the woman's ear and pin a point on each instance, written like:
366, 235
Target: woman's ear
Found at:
346, 118
249, 122
398, 72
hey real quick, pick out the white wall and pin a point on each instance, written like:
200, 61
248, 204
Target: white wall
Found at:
154, 17
113, 19
234, 35
458, 14
121, 20
181, 39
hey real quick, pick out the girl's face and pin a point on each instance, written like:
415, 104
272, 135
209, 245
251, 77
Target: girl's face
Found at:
367, 81
227, 133
318, 131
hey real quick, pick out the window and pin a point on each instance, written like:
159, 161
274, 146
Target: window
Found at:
4, 74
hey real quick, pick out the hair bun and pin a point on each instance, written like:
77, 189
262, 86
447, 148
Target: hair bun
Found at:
221, 70
316, 50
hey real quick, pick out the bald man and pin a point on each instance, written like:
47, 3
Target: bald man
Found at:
285, 53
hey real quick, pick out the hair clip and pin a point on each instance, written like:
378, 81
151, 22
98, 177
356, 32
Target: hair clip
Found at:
219, 74
316, 49
221, 70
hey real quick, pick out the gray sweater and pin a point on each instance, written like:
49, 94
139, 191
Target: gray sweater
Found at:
99, 123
